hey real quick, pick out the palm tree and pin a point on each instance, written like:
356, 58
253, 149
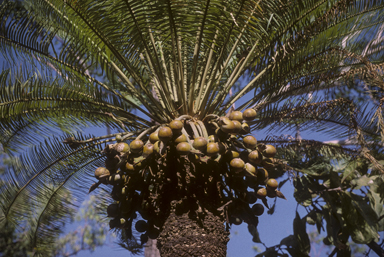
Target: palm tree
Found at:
303, 65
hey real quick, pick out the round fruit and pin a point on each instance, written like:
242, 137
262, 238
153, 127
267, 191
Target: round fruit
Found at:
251, 197
181, 138
272, 184
236, 115
221, 135
129, 167
255, 157
141, 226
212, 149
156, 147
237, 164
147, 150
212, 138
200, 143
245, 128
267, 163
262, 175
118, 138
165, 134
249, 114
183, 148
250, 142
154, 137
101, 172
261, 192
226, 125
113, 210
258, 209
230, 154
136, 146
269, 151
143, 238
122, 147
250, 168
176, 126
238, 127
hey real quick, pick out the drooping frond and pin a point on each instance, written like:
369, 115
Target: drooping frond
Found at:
37, 107
45, 186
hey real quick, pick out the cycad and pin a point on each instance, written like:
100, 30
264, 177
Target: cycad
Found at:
72, 64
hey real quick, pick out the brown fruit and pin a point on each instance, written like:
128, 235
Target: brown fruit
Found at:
262, 175
181, 138
255, 157
245, 129
212, 149
250, 169
227, 126
113, 210
176, 126
272, 184
101, 172
154, 137
250, 197
238, 127
183, 148
212, 138
136, 146
249, 114
236, 115
267, 163
258, 209
147, 150
237, 164
269, 151
141, 226
122, 147
200, 143
165, 134
129, 167
250, 142
261, 192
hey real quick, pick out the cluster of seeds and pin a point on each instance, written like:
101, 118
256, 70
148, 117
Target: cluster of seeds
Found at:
202, 165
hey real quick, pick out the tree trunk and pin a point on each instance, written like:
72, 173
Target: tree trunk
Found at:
151, 249
193, 235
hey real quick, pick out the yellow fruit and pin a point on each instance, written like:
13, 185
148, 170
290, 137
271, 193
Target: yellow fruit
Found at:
269, 151
176, 126
122, 147
181, 138
183, 148
237, 164
251, 169
226, 125
261, 193
255, 157
136, 146
212, 149
236, 115
272, 184
200, 143
249, 114
101, 172
154, 137
147, 150
250, 142
165, 134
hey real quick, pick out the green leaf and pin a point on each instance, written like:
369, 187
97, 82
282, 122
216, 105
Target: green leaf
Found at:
299, 231
360, 218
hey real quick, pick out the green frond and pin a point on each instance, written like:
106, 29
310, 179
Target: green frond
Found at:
50, 179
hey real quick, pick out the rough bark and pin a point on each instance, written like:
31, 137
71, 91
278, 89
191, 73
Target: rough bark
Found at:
193, 235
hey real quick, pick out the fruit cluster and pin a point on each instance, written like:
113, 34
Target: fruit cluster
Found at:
209, 165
